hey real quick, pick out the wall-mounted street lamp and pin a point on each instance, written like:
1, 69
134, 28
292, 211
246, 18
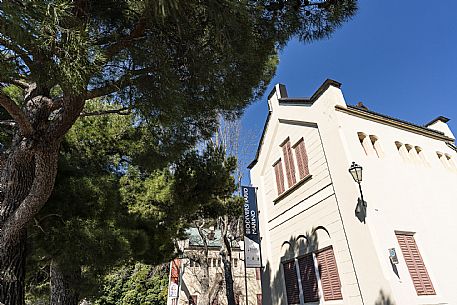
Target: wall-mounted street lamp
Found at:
356, 172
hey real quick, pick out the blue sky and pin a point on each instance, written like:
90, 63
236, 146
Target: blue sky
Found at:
398, 57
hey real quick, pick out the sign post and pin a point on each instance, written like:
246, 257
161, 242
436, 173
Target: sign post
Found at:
252, 254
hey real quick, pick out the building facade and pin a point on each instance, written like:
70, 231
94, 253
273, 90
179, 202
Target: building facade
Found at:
193, 274
320, 243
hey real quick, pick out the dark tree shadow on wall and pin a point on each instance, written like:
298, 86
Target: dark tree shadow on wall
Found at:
273, 291
384, 299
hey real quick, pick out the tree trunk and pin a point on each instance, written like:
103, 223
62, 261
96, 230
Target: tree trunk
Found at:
17, 178
229, 290
63, 285
26, 182
12, 268
226, 253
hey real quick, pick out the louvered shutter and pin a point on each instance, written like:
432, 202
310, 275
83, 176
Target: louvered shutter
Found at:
308, 278
291, 281
279, 177
415, 264
193, 300
259, 299
302, 159
328, 271
289, 162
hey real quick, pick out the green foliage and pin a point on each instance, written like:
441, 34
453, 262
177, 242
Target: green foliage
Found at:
115, 210
137, 284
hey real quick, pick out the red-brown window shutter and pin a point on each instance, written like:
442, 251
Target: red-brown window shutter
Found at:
328, 271
415, 264
289, 162
279, 177
259, 299
193, 299
290, 278
302, 159
257, 274
308, 278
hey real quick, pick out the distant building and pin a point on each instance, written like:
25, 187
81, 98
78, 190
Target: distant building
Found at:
192, 274
320, 244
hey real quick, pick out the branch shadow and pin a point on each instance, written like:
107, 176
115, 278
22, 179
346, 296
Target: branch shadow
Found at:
273, 286
384, 299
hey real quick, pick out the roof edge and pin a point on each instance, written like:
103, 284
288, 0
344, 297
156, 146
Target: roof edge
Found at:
440, 118
325, 85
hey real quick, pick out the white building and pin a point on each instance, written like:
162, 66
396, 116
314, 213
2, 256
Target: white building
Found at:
192, 274
315, 248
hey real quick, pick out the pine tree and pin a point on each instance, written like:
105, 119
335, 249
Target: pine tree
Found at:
175, 64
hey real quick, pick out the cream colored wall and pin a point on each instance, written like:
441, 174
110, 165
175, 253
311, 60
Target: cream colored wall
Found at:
412, 193
192, 276
311, 205
406, 194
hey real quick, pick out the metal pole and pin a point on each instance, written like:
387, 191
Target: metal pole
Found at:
245, 275
361, 194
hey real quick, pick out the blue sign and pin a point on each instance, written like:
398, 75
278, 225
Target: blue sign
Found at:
251, 228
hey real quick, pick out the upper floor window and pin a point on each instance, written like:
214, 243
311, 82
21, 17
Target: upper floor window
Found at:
289, 163
299, 157
302, 158
279, 176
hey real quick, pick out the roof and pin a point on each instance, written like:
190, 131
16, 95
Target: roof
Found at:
440, 118
353, 110
285, 100
195, 240
395, 119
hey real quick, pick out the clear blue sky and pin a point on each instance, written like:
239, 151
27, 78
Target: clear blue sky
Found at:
398, 57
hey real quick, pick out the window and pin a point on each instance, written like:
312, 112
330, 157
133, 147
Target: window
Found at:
415, 264
328, 271
257, 274
326, 274
289, 163
259, 299
291, 281
279, 177
235, 262
308, 278
193, 299
302, 158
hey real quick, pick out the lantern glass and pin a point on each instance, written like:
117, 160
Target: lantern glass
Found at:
356, 172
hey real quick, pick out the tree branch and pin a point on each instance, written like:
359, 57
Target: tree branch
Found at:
17, 50
120, 111
17, 114
8, 123
127, 78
